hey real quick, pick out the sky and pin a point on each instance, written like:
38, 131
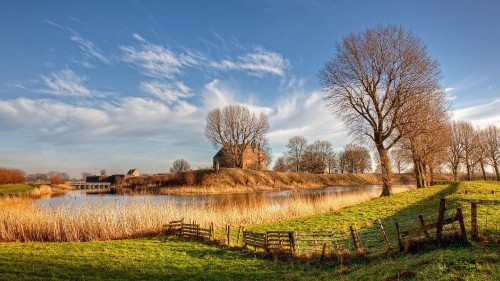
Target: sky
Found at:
90, 85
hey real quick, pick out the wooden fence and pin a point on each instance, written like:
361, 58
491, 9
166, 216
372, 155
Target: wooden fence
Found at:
384, 237
485, 223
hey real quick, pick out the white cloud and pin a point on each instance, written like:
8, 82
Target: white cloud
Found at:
155, 60
89, 49
66, 83
258, 63
168, 92
480, 115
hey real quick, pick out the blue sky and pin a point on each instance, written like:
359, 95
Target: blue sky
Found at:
86, 85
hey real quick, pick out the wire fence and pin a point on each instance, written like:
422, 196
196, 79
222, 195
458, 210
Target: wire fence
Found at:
429, 223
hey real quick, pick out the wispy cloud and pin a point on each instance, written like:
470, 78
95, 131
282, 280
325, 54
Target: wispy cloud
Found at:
258, 62
168, 92
89, 49
156, 60
65, 83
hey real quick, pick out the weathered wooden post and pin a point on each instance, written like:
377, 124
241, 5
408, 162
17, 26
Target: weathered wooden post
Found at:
323, 252
442, 210
291, 237
212, 232
460, 217
228, 232
355, 239
400, 242
238, 238
389, 247
422, 223
473, 220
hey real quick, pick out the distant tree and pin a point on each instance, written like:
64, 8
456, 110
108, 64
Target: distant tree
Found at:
428, 148
234, 128
180, 165
455, 150
56, 177
467, 137
375, 84
280, 165
296, 148
316, 156
399, 157
85, 175
492, 143
331, 162
37, 178
354, 159
480, 151
103, 172
10, 175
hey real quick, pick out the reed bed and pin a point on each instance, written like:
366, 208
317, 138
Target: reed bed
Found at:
20, 220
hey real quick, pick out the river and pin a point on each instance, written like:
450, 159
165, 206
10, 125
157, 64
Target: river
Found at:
86, 197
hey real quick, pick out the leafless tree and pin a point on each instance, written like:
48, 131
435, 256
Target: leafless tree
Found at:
281, 165
455, 150
480, 150
355, 159
427, 147
492, 143
467, 137
316, 156
375, 81
399, 157
180, 165
296, 148
103, 172
233, 128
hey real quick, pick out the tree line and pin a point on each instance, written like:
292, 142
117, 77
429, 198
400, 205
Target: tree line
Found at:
319, 157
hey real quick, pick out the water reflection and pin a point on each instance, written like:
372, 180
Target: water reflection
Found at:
89, 197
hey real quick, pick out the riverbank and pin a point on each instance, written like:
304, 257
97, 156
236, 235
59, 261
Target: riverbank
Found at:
241, 180
33, 190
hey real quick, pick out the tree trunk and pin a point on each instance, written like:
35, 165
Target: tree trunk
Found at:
482, 169
418, 173
496, 170
455, 173
385, 169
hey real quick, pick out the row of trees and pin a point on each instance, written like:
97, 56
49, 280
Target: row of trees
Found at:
9, 176
473, 149
319, 157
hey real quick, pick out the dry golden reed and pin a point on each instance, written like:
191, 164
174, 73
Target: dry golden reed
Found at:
20, 220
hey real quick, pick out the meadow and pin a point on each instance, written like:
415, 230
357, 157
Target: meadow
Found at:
160, 257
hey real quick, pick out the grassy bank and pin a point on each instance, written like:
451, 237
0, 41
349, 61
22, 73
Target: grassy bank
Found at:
242, 180
176, 259
13, 189
166, 259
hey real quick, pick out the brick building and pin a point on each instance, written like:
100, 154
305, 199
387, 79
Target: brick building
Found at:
253, 158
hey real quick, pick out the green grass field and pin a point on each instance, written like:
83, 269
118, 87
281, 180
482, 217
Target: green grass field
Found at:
170, 258
11, 189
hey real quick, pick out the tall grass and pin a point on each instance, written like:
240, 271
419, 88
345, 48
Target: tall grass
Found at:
20, 220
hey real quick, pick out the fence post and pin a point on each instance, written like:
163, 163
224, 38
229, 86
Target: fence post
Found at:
228, 231
462, 224
212, 232
422, 223
291, 237
442, 209
355, 239
473, 220
389, 247
400, 243
240, 230
323, 252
